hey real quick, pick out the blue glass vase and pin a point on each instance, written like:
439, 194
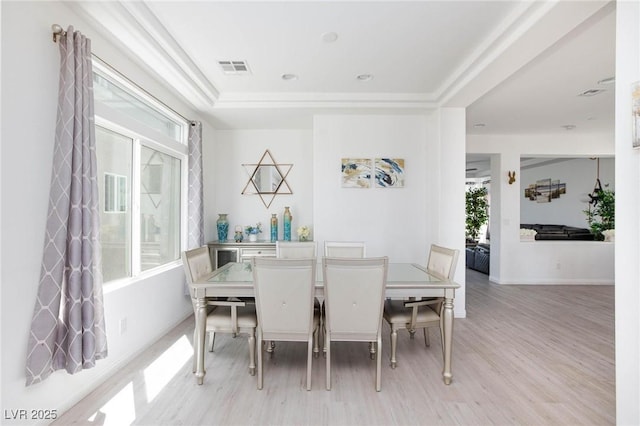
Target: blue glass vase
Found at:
222, 224
274, 228
287, 224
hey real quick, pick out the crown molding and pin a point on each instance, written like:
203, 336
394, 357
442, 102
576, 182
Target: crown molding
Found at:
134, 26
526, 33
326, 100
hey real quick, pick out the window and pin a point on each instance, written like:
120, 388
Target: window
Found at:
116, 92
141, 155
115, 193
159, 208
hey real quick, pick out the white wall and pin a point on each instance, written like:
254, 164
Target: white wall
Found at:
552, 262
152, 306
579, 175
627, 267
225, 178
389, 220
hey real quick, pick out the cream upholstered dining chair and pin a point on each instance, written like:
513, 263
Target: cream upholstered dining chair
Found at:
353, 249
354, 299
349, 249
284, 290
223, 316
299, 250
296, 249
415, 314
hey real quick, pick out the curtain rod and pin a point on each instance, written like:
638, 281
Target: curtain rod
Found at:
58, 31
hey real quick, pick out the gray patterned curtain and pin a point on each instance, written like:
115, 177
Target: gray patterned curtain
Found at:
195, 206
67, 328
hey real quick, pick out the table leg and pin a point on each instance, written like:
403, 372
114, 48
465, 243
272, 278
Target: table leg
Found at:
447, 337
201, 322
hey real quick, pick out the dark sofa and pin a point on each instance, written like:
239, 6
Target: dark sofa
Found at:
559, 232
478, 257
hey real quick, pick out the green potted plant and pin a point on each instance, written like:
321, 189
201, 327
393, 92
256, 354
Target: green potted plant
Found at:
602, 216
477, 211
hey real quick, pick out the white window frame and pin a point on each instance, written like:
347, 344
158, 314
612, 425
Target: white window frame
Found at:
142, 135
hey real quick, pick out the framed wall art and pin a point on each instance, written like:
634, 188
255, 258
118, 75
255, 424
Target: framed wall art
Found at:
545, 190
389, 172
356, 173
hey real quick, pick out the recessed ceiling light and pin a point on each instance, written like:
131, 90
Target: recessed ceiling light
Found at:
329, 37
608, 80
569, 126
289, 77
364, 77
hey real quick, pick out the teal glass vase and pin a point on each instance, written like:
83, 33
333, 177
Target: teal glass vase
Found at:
222, 224
274, 228
287, 224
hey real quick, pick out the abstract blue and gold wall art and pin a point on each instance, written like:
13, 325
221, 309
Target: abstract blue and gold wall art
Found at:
356, 173
389, 172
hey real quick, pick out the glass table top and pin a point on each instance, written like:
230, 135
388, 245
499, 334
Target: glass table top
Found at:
397, 272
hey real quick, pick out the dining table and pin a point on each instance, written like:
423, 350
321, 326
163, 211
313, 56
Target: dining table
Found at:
404, 280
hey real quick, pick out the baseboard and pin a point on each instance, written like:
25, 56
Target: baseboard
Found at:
553, 281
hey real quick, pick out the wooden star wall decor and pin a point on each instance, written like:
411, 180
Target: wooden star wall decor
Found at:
267, 179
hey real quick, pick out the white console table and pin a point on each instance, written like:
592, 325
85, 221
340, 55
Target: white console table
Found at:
229, 251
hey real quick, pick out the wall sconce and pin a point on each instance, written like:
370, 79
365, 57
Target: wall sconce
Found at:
512, 176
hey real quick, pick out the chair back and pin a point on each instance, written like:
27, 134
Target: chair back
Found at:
354, 297
442, 262
284, 292
352, 249
197, 263
296, 249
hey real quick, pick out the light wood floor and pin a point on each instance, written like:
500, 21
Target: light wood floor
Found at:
525, 355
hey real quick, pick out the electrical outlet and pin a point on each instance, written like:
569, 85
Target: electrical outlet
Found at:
123, 325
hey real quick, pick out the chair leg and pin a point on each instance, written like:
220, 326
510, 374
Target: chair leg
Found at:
327, 346
394, 344
271, 346
323, 327
379, 363
324, 339
316, 342
260, 364
212, 339
309, 361
252, 352
425, 331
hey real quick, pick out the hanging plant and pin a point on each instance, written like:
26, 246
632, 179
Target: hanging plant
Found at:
602, 216
477, 211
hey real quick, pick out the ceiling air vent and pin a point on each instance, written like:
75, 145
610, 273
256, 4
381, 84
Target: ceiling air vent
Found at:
234, 67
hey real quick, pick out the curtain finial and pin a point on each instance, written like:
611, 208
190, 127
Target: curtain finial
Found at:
57, 30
